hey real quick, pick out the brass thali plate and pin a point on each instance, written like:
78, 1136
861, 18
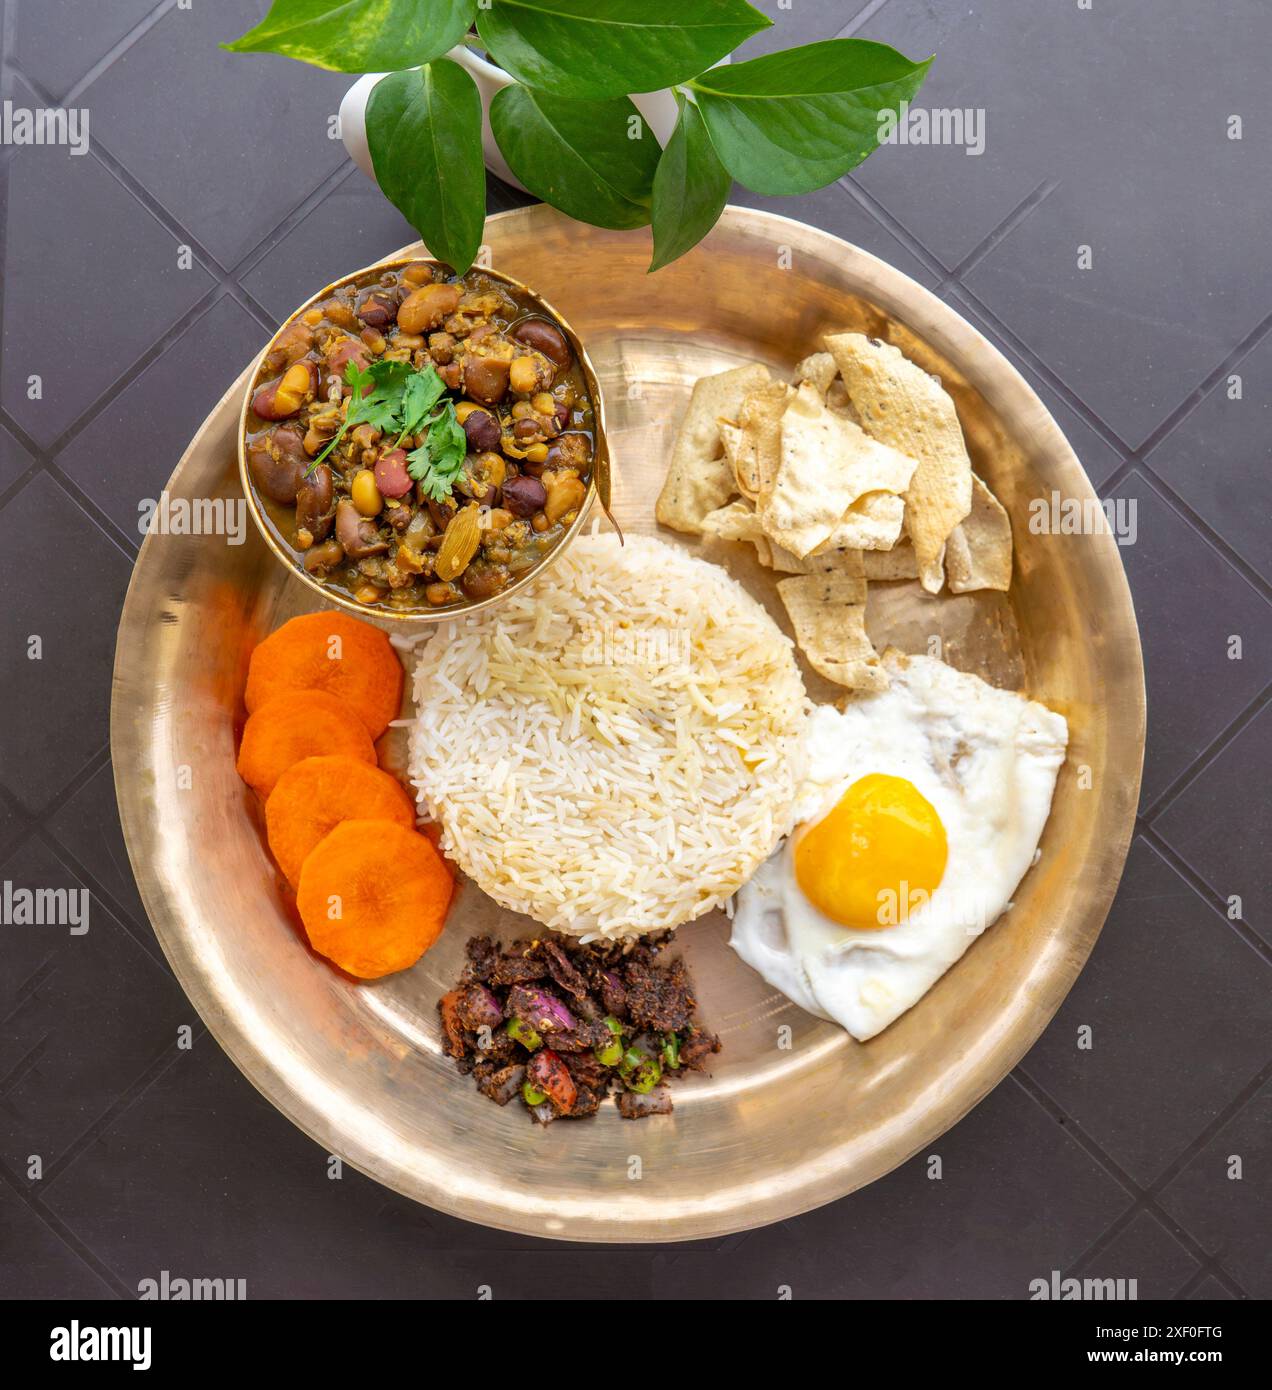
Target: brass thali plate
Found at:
796, 1114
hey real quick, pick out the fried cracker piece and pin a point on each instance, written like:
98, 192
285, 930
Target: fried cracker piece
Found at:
978, 552
700, 478
898, 563
828, 613
759, 450
829, 465
901, 405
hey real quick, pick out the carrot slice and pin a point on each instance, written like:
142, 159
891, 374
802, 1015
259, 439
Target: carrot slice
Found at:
295, 726
373, 897
333, 652
314, 795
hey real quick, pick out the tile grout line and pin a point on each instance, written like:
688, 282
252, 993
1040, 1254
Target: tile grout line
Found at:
1142, 1199
893, 225
1133, 459
92, 765
1018, 215
1221, 547
226, 278
28, 986
951, 279
147, 941
253, 257
862, 18
62, 1232
1202, 390
1211, 897
149, 1076
109, 59
167, 339
33, 1054
1208, 755
1096, 423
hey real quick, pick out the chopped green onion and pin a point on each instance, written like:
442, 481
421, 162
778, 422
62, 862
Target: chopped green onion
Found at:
671, 1050
524, 1034
531, 1095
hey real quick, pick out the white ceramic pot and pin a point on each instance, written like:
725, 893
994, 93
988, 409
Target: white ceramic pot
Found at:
658, 108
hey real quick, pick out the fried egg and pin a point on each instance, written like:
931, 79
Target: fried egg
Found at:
920, 812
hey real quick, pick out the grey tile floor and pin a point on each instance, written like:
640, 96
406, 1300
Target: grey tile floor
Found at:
1146, 1156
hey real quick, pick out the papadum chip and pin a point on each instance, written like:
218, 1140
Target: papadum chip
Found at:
978, 552
873, 522
819, 369
899, 404
827, 464
700, 478
759, 452
735, 522
898, 563
828, 613
732, 440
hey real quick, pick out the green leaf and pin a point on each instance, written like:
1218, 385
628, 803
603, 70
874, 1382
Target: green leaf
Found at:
379, 397
795, 121
594, 160
359, 35
422, 393
611, 48
438, 462
378, 394
424, 131
691, 188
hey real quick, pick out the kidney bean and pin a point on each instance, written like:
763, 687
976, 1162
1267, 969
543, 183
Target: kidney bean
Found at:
482, 430
315, 508
323, 557
356, 533
546, 338
570, 451
378, 309
482, 581
291, 344
391, 476
486, 378
524, 496
283, 398
277, 462
428, 307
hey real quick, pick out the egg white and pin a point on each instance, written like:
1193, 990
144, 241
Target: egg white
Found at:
987, 761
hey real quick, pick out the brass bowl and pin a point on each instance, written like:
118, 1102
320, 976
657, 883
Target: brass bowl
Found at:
598, 485
796, 1113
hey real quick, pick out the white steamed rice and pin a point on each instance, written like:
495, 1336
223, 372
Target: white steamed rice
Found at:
616, 749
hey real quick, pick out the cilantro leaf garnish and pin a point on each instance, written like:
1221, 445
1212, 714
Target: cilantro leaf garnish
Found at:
378, 393
422, 393
392, 396
438, 462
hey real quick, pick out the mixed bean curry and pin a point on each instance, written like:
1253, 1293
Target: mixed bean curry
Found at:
421, 439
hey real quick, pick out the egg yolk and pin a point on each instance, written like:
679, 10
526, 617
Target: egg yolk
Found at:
877, 856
